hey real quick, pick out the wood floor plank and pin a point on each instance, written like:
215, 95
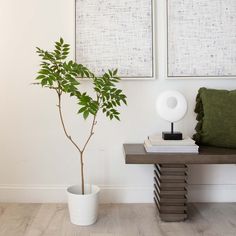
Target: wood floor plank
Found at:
3, 207
216, 213
48, 220
16, 219
147, 220
116, 220
95, 234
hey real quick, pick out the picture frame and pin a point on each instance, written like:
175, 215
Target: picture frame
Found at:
175, 62
105, 47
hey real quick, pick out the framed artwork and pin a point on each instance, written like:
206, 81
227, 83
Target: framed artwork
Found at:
116, 34
201, 38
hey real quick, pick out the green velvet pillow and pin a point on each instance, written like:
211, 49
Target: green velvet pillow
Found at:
216, 115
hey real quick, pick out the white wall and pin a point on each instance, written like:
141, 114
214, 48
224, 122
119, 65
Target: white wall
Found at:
37, 162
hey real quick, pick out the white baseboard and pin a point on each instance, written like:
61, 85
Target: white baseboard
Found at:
113, 194
121, 194
212, 193
33, 194
57, 193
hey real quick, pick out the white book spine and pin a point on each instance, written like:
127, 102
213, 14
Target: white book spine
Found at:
170, 149
157, 140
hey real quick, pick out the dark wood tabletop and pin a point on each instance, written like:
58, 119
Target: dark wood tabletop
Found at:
136, 154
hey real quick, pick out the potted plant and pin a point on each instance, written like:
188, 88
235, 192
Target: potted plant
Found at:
63, 77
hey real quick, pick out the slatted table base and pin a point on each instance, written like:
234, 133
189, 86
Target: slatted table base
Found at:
170, 191
170, 180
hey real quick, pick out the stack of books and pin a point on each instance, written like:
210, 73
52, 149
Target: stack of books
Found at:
155, 143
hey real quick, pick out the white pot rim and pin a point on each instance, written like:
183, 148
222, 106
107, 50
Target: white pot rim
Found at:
95, 190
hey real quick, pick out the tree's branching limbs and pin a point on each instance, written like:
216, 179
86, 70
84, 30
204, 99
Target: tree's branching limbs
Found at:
58, 74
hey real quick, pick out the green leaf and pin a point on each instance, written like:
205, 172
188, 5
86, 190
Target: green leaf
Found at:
44, 82
97, 90
50, 82
57, 52
58, 44
124, 101
44, 72
86, 73
115, 72
65, 53
83, 109
110, 72
106, 76
114, 103
40, 77
86, 114
117, 117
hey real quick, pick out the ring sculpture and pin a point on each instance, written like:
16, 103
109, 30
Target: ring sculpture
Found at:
171, 105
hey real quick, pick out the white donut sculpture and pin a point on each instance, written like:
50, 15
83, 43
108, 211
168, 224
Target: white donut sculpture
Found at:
171, 105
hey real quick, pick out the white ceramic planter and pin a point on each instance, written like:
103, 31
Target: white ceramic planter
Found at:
83, 209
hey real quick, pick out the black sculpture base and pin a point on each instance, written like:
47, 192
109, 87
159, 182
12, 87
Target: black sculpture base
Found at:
172, 136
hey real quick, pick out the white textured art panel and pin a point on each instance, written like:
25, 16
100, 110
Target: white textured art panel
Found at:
202, 38
115, 34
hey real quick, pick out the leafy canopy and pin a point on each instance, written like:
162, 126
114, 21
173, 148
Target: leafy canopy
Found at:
62, 76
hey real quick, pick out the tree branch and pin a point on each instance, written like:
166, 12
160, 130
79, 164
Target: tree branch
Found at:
63, 124
91, 132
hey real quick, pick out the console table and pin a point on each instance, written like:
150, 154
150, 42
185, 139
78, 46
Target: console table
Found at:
170, 172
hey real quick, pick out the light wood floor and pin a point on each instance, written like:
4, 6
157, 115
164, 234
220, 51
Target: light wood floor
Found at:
116, 220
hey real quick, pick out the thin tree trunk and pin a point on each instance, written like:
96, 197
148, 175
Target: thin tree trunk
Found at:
81, 150
82, 172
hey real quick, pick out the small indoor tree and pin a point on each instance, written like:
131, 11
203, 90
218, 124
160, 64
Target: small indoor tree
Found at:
63, 77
